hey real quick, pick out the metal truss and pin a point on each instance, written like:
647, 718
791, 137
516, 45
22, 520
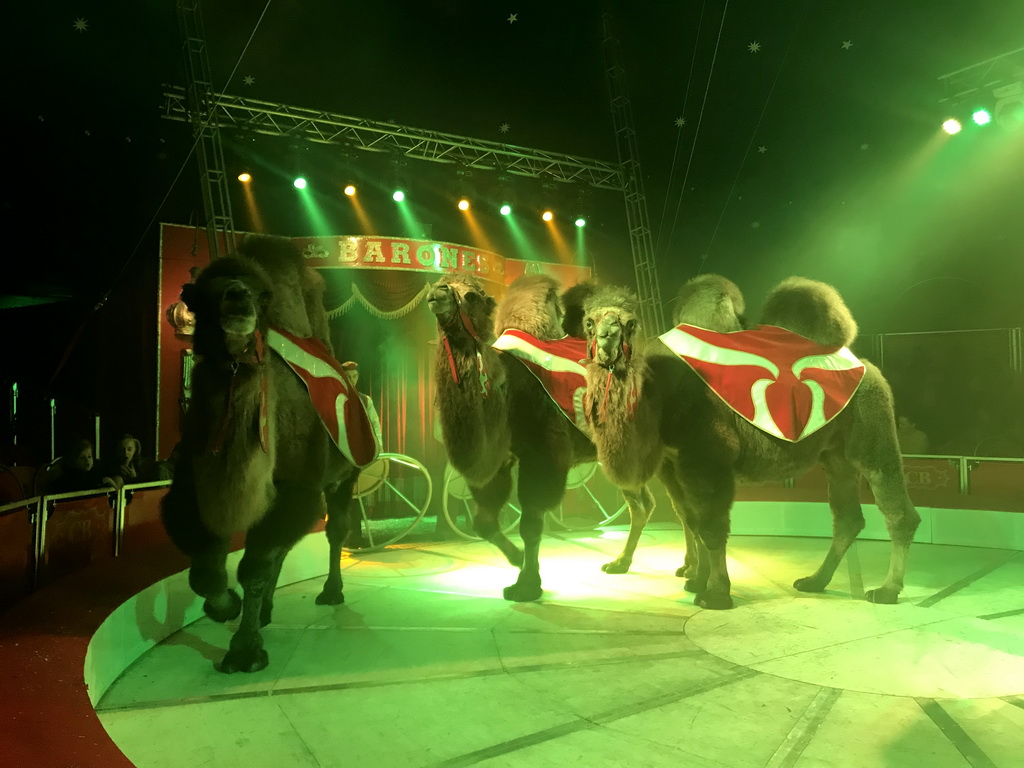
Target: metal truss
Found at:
320, 127
648, 289
205, 129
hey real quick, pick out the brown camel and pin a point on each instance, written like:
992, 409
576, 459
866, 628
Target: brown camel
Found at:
254, 455
494, 412
652, 413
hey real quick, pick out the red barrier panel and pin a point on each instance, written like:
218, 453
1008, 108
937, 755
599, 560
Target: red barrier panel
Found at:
79, 532
996, 484
17, 555
142, 525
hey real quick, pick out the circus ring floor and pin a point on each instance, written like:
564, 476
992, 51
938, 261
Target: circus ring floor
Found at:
425, 664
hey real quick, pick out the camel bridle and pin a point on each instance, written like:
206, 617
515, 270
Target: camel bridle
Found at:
467, 323
625, 355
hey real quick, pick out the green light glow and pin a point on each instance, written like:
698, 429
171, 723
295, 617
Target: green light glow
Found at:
505, 209
981, 117
398, 196
299, 183
951, 126
581, 222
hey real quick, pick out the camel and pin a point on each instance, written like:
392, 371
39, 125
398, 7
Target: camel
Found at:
494, 412
254, 455
651, 413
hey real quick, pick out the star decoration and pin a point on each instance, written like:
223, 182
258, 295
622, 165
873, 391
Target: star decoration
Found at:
847, 45
504, 127
248, 79
755, 225
680, 121
80, 25
512, 18
754, 47
863, 147
762, 149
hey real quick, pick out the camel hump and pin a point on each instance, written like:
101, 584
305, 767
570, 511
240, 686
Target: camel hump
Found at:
573, 300
297, 304
811, 308
712, 302
531, 304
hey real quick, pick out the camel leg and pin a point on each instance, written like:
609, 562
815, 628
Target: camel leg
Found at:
901, 520
339, 502
541, 487
267, 609
295, 509
207, 576
709, 493
641, 505
847, 519
490, 499
696, 579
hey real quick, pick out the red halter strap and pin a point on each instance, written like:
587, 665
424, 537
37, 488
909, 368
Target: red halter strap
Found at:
467, 323
251, 355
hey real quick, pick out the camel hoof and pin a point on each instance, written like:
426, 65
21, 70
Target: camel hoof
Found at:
224, 609
714, 601
882, 595
696, 586
523, 591
330, 596
686, 571
616, 566
809, 584
249, 660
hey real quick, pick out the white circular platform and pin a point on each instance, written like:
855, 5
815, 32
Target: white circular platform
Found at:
426, 665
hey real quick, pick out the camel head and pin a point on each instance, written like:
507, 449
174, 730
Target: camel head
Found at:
460, 303
228, 299
611, 322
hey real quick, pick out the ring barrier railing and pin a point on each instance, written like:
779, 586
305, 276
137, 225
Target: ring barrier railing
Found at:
45, 537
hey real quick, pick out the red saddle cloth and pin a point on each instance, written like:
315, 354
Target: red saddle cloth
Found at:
333, 396
556, 364
780, 382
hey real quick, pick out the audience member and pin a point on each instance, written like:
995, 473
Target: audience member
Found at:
79, 472
128, 465
911, 439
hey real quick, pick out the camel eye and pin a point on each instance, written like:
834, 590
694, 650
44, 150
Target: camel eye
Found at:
630, 325
588, 324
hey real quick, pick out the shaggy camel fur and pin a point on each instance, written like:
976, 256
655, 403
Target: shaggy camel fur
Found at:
254, 455
660, 417
495, 412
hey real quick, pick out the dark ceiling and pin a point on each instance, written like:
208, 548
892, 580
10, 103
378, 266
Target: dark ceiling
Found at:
809, 144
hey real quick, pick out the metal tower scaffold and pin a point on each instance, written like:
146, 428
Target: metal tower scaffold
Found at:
202, 114
633, 186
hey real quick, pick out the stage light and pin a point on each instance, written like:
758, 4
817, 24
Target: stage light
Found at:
350, 190
245, 178
398, 196
547, 216
951, 126
981, 117
299, 183
581, 222
505, 210
463, 204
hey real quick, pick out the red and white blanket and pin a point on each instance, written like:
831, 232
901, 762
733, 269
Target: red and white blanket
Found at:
780, 382
556, 364
332, 394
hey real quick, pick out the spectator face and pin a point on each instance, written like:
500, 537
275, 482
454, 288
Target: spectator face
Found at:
126, 451
353, 376
83, 462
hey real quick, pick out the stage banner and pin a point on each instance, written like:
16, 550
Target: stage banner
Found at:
399, 253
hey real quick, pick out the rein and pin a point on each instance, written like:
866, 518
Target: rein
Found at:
251, 355
467, 323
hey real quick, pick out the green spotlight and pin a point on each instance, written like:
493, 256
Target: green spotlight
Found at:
951, 126
299, 183
398, 196
505, 209
581, 222
981, 117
